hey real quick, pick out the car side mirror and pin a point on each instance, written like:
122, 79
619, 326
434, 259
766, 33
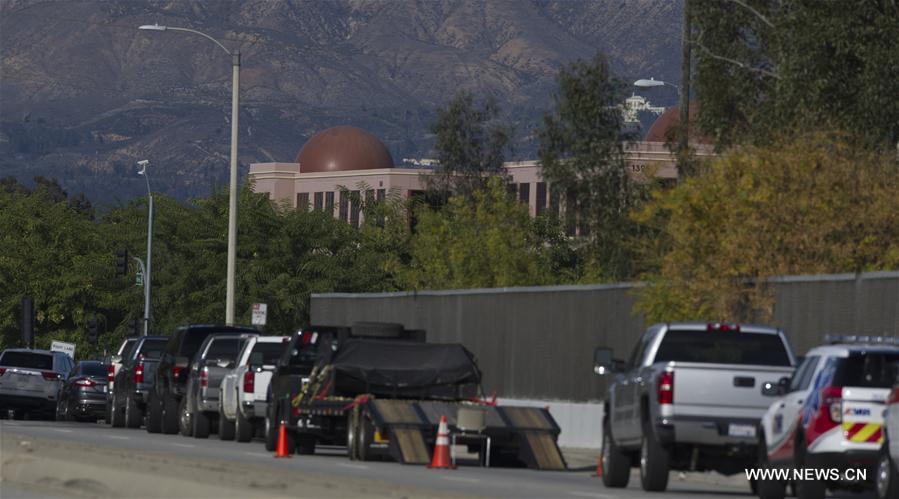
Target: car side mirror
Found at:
771, 389
182, 362
604, 363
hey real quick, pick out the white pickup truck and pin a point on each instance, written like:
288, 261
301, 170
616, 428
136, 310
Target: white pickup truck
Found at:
243, 390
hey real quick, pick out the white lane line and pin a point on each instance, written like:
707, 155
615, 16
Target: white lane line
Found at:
256, 454
590, 494
462, 479
118, 437
61, 430
354, 466
189, 446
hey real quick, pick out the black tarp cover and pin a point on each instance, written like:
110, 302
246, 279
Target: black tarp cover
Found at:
400, 368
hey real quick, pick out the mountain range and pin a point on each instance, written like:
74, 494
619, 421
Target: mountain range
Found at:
84, 94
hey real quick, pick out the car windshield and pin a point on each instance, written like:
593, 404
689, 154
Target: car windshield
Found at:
224, 348
271, 352
152, 349
92, 369
867, 370
709, 347
27, 360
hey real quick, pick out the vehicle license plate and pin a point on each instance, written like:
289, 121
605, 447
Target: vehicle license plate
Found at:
741, 430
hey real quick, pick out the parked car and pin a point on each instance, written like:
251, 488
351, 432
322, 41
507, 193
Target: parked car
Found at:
689, 399
128, 398
114, 363
30, 381
830, 417
242, 399
83, 394
199, 408
887, 477
170, 380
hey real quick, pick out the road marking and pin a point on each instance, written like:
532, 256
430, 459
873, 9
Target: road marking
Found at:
590, 494
354, 466
118, 437
462, 479
61, 430
257, 454
185, 445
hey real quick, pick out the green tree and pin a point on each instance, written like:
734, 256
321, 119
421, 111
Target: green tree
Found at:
483, 241
814, 205
582, 159
768, 68
470, 146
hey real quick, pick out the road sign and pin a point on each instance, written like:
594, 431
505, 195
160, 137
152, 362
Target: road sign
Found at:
61, 346
139, 279
259, 312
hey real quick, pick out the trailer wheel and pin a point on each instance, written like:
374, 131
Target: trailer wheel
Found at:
366, 434
352, 451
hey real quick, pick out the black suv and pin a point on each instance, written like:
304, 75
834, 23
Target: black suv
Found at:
172, 373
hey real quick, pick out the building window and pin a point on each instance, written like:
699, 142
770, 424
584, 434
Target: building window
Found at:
344, 205
369, 197
303, 201
555, 207
524, 193
512, 189
318, 201
541, 198
382, 195
329, 203
354, 213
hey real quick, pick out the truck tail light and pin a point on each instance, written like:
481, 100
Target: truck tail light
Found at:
665, 389
204, 378
176, 371
139, 372
85, 382
110, 373
833, 404
50, 375
249, 381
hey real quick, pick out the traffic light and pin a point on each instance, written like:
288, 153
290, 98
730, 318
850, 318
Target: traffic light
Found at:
132, 327
121, 263
93, 331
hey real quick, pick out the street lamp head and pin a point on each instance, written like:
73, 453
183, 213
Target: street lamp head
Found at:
648, 83
143, 164
152, 27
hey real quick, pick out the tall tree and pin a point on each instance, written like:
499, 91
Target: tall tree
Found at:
582, 158
766, 68
470, 146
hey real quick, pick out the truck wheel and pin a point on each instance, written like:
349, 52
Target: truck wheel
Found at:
201, 424
154, 415
305, 444
134, 416
365, 436
226, 427
271, 432
170, 415
185, 419
768, 489
118, 419
616, 465
887, 478
244, 427
653, 462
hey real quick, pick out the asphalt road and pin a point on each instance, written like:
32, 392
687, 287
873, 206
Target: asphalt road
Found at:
133, 463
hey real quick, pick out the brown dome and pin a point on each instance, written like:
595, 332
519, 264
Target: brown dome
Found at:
343, 148
667, 123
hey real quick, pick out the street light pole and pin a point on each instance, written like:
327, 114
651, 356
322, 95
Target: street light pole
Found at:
144, 164
232, 195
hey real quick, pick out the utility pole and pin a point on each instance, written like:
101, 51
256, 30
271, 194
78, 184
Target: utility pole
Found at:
683, 146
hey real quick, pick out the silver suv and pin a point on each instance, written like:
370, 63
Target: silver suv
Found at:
30, 380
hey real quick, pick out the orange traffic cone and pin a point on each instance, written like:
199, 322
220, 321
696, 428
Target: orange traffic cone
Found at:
281, 450
441, 459
599, 466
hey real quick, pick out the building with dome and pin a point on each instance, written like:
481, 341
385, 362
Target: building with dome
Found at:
344, 162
